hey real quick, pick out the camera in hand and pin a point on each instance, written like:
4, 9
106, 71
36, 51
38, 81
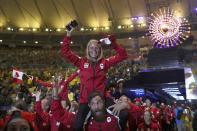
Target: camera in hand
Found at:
71, 25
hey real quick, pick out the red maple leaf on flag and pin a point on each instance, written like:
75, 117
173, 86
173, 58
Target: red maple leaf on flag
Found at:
17, 75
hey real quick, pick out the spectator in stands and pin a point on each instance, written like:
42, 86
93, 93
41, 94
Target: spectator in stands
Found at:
93, 69
18, 105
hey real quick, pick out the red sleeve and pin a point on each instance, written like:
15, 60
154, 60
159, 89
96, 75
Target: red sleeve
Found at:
140, 126
136, 112
64, 93
2, 123
67, 53
60, 114
44, 115
117, 58
46, 84
70, 78
155, 126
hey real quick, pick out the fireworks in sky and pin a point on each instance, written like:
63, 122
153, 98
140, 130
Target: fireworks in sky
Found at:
168, 30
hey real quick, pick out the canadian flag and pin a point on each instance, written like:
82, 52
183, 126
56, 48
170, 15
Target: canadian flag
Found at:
17, 76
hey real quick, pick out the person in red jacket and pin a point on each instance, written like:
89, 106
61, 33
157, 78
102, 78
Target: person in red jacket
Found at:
93, 69
148, 125
2, 124
20, 120
135, 112
46, 117
100, 119
168, 116
138, 102
156, 114
41, 123
64, 84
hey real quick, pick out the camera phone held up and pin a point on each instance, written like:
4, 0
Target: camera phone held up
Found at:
71, 25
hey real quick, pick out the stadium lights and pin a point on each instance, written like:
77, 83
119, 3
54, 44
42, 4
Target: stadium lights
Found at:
140, 18
137, 91
131, 26
58, 29
34, 29
106, 28
119, 27
21, 29
82, 29
9, 28
94, 28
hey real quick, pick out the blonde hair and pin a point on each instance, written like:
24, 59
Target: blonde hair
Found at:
87, 51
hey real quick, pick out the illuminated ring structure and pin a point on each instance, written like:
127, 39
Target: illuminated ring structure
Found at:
168, 30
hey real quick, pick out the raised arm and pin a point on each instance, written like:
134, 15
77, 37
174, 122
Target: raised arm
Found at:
64, 93
121, 53
70, 78
38, 108
66, 51
46, 84
61, 114
58, 112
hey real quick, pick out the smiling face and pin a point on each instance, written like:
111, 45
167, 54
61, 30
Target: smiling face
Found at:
147, 117
94, 50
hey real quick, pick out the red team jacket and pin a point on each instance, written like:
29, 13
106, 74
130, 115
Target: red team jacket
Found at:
67, 118
135, 116
92, 77
62, 115
49, 118
42, 124
151, 127
64, 93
